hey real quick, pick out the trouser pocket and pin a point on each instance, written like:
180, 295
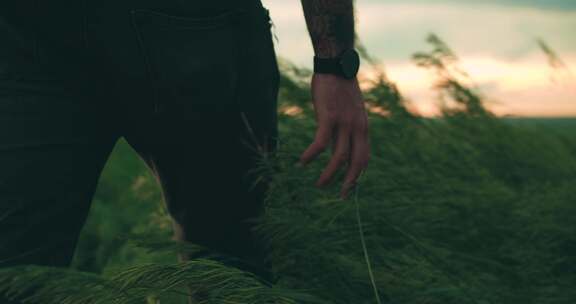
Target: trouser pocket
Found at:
192, 63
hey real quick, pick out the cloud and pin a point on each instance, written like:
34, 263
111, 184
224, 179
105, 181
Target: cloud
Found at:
394, 31
397, 30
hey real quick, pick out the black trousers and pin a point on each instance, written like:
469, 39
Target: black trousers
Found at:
194, 96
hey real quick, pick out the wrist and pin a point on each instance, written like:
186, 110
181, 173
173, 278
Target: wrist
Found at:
332, 78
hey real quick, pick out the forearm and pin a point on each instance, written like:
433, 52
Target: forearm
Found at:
331, 25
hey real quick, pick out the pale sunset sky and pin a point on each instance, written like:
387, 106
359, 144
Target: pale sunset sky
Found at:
494, 39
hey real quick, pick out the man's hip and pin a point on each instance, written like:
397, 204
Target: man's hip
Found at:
138, 52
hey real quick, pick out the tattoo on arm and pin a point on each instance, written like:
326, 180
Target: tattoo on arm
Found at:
331, 25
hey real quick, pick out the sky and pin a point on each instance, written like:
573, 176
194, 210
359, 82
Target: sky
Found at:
494, 39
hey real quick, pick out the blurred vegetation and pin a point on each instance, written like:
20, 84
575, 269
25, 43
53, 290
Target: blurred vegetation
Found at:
464, 208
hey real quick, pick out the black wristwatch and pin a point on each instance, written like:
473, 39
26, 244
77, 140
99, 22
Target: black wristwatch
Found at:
346, 65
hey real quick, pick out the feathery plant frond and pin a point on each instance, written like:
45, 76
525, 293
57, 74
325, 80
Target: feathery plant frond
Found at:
46, 285
382, 91
560, 70
210, 281
452, 82
554, 59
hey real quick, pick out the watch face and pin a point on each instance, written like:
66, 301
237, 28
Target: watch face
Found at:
350, 62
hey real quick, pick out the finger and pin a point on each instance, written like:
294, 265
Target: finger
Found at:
339, 157
358, 162
321, 142
333, 142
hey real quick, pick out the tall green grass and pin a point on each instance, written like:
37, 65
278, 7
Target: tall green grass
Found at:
464, 208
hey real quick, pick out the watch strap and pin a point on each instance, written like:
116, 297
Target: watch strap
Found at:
327, 65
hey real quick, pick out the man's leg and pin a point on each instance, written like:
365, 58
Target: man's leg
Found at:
51, 155
208, 186
203, 155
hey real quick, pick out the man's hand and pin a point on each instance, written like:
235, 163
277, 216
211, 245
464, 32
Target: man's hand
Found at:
343, 124
340, 112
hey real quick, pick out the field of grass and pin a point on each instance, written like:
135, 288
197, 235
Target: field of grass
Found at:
466, 208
